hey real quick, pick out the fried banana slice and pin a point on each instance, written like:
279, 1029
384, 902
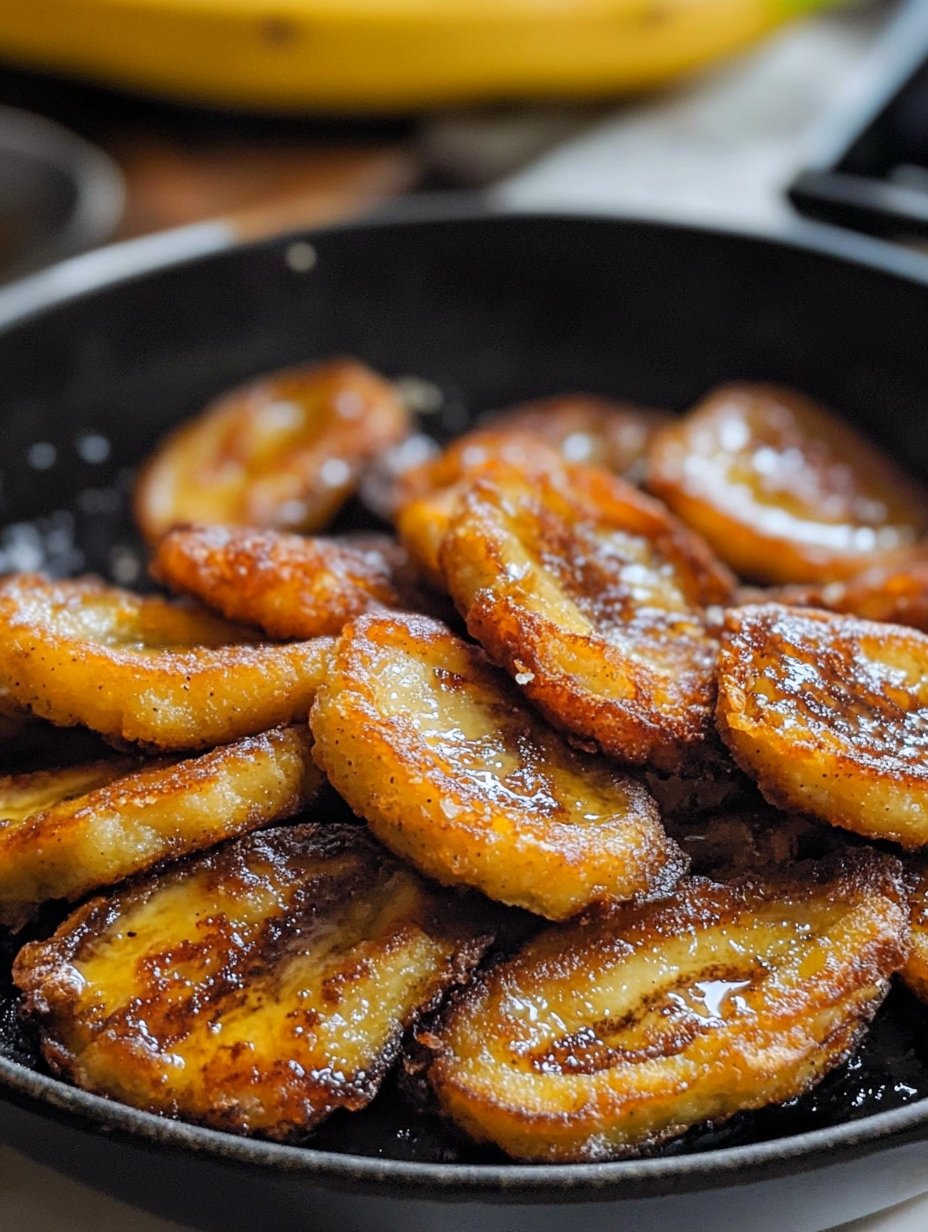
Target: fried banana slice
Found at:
255, 988
604, 1038
429, 744
147, 670
283, 451
65, 832
594, 598
915, 972
781, 489
829, 715
288, 585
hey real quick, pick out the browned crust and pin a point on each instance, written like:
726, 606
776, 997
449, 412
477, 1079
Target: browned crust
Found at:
146, 670
328, 898
595, 599
432, 746
288, 585
284, 451
827, 714
605, 1038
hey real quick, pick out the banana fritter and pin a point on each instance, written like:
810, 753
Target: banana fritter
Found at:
147, 670
781, 489
603, 1038
283, 451
434, 748
65, 832
595, 599
829, 715
288, 585
255, 988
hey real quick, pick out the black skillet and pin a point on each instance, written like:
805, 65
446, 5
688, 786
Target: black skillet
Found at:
488, 308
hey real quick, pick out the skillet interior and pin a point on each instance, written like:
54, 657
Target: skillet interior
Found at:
489, 310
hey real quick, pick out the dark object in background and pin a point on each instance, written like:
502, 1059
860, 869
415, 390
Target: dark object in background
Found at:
58, 193
868, 166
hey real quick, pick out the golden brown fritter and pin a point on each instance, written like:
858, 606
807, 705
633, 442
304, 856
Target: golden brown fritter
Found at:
829, 715
603, 1038
288, 585
781, 489
283, 451
594, 598
433, 747
65, 832
147, 670
255, 988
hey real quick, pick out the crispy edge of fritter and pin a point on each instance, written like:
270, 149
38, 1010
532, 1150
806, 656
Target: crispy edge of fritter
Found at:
289, 585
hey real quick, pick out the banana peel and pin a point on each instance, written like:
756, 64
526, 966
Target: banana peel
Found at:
379, 55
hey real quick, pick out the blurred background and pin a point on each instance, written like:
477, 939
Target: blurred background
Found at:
120, 118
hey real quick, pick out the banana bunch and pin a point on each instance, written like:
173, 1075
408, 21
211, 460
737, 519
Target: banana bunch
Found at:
365, 55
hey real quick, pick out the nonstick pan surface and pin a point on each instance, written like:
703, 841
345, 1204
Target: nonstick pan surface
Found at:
485, 309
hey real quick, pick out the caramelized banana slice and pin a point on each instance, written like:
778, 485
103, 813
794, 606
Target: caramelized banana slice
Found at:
604, 1038
432, 747
288, 585
145, 669
284, 451
915, 971
829, 715
594, 598
782, 490
64, 832
255, 988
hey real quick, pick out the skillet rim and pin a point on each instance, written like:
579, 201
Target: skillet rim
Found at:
107, 270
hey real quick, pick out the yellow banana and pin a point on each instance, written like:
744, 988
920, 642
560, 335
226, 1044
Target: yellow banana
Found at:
356, 55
